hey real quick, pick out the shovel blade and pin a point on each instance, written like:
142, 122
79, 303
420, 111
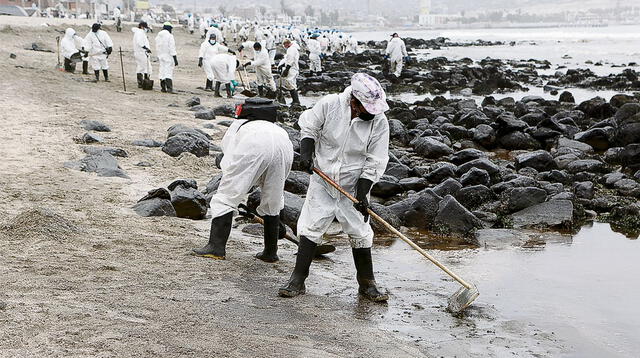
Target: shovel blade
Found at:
247, 93
462, 299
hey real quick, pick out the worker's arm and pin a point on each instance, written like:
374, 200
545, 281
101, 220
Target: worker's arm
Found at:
404, 50
377, 155
312, 120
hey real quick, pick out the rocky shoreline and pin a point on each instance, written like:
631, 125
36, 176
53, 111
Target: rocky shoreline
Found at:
458, 166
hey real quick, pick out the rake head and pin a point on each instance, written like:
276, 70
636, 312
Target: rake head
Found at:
462, 299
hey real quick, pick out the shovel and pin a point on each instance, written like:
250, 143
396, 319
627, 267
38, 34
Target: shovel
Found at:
245, 91
461, 299
280, 94
320, 249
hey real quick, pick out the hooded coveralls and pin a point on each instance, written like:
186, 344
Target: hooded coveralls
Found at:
262, 65
256, 153
291, 59
223, 67
166, 49
346, 150
68, 44
96, 44
396, 51
140, 41
207, 52
314, 55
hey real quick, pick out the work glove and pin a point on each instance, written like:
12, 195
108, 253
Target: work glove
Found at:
362, 190
246, 64
109, 50
307, 147
199, 61
232, 52
175, 60
285, 73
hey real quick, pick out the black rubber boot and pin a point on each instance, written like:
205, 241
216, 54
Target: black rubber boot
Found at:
217, 90
85, 67
218, 236
295, 286
97, 74
295, 100
209, 85
140, 77
261, 91
163, 86
366, 280
169, 84
69, 66
106, 75
271, 234
227, 87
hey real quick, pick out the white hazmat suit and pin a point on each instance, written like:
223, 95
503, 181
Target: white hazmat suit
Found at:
396, 50
255, 153
262, 64
165, 49
207, 52
314, 55
96, 44
223, 66
140, 41
68, 44
346, 150
291, 59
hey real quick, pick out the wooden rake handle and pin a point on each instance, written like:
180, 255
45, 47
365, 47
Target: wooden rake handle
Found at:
394, 230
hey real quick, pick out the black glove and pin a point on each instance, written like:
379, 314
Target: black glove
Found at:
232, 52
219, 160
175, 60
362, 190
307, 147
199, 61
285, 73
246, 64
109, 50
146, 49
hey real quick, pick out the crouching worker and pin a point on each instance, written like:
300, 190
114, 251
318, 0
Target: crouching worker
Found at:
256, 152
349, 135
72, 54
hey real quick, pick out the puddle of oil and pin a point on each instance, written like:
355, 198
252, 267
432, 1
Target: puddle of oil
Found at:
585, 291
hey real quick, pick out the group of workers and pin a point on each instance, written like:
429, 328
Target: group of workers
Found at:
217, 60
344, 135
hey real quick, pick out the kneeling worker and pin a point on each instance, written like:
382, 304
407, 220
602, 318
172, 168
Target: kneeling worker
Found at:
349, 134
256, 152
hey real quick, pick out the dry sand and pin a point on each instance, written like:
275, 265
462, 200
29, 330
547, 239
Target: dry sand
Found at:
81, 275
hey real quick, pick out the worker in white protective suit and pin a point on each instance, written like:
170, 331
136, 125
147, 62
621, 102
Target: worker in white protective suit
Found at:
208, 49
291, 70
213, 29
396, 52
117, 17
141, 52
202, 27
224, 67
349, 135
270, 44
69, 50
256, 152
99, 46
313, 45
191, 23
352, 44
262, 64
168, 57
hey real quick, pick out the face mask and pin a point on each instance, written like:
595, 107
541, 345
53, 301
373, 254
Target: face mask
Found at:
366, 116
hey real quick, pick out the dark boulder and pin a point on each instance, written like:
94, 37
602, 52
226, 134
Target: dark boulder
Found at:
539, 160
519, 198
386, 187
89, 138
156, 203
484, 135
116, 152
397, 170
418, 210
475, 176
452, 217
193, 101
598, 138
430, 147
413, 183
466, 155
587, 165
101, 163
472, 197
188, 202
518, 140
481, 163
553, 213
226, 110
92, 125
442, 171
447, 187
583, 190
207, 114
297, 182
147, 143
292, 207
